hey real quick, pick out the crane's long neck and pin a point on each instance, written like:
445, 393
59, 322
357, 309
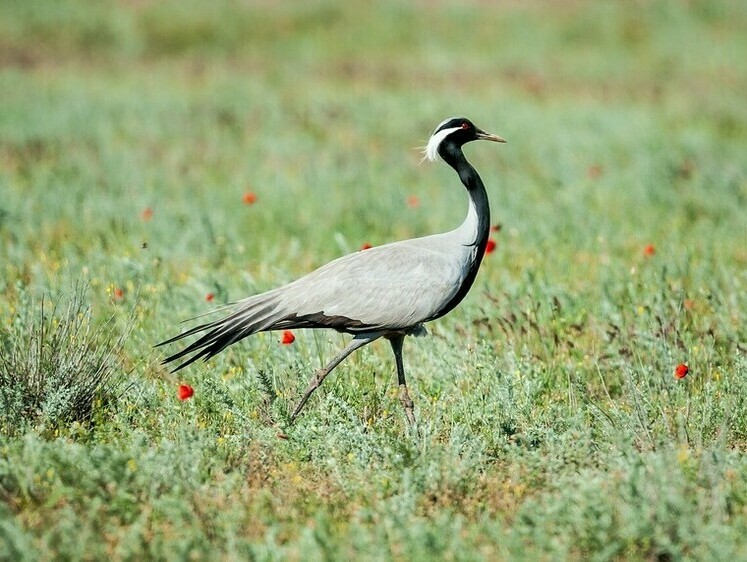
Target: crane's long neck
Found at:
477, 222
476, 226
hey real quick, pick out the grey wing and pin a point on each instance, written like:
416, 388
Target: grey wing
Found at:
385, 288
388, 287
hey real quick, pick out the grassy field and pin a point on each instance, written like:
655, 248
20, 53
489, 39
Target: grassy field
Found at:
550, 423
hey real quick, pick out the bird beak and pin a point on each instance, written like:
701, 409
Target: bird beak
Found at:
482, 135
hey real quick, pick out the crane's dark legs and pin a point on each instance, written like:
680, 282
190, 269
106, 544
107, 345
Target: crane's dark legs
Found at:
404, 396
318, 377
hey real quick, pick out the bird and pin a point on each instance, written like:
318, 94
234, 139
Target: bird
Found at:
388, 291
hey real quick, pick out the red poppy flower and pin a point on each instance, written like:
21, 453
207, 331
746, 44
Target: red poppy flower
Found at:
249, 198
413, 201
490, 246
288, 338
209, 297
681, 370
649, 250
118, 293
185, 392
147, 214
366, 246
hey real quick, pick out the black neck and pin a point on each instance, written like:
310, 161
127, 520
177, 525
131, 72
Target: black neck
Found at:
454, 157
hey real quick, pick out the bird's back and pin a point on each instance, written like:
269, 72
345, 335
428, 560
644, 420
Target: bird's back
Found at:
391, 287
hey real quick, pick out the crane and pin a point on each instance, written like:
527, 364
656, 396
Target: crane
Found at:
387, 291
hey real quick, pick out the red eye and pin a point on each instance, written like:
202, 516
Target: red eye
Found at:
465, 125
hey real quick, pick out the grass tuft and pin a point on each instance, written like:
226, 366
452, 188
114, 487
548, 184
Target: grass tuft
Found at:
56, 365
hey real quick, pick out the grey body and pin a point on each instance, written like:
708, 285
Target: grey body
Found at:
390, 288
385, 291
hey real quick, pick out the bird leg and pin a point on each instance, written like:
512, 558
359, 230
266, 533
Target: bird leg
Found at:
404, 396
319, 376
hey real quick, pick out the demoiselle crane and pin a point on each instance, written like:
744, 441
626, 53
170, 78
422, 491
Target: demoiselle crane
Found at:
385, 291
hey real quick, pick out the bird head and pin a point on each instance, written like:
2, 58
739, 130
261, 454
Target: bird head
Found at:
457, 131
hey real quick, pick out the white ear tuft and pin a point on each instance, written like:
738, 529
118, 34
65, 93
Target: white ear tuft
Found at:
430, 152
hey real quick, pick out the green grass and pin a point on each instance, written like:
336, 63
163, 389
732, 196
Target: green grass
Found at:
550, 423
